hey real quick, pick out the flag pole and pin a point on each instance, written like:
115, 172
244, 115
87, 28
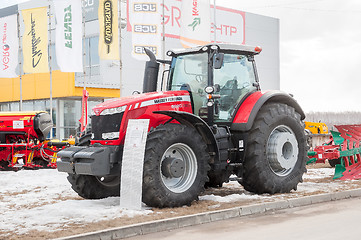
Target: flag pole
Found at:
84, 43
163, 39
215, 21
50, 70
20, 68
84, 100
120, 45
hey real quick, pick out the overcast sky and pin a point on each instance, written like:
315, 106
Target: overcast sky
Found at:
320, 49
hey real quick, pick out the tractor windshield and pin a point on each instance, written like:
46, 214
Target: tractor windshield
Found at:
190, 72
232, 82
234, 79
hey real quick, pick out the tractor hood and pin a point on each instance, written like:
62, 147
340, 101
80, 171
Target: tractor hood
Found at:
139, 101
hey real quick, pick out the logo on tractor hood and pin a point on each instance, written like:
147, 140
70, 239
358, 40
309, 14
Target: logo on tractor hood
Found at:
185, 98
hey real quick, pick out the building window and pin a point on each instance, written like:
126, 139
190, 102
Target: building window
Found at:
92, 60
69, 115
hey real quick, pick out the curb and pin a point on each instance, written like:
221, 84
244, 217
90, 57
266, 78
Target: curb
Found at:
212, 216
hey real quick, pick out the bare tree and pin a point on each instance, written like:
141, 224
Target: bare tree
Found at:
334, 118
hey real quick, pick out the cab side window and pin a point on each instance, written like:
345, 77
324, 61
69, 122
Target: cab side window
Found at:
233, 81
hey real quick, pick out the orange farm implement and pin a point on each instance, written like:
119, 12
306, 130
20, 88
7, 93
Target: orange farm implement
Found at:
23, 141
342, 151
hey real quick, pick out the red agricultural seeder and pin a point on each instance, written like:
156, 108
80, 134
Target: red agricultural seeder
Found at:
23, 141
342, 151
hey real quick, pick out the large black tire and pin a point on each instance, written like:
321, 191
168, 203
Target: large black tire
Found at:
93, 187
276, 152
175, 166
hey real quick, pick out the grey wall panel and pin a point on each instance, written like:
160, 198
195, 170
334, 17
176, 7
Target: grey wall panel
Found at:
264, 32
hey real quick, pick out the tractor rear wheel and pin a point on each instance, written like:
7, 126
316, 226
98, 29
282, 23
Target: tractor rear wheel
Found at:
276, 153
175, 166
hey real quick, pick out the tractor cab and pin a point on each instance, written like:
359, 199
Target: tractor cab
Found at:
217, 76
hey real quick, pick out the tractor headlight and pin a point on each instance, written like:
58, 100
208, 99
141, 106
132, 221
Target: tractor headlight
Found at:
111, 111
110, 135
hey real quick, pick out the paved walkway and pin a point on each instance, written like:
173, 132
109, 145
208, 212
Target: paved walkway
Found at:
330, 220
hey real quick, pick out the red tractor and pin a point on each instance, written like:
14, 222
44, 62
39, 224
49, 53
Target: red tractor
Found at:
210, 121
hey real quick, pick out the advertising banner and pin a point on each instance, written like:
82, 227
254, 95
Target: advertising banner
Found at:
108, 29
145, 20
9, 46
68, 43
195, 23
35, 40
230, 22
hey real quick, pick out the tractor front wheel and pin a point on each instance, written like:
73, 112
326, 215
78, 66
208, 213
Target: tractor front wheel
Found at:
175, 166
276, 151
94, 187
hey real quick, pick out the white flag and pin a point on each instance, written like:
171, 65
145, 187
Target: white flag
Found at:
195, 23
69, 35
9, 46
145, 18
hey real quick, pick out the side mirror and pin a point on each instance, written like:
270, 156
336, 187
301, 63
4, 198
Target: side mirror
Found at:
218, 60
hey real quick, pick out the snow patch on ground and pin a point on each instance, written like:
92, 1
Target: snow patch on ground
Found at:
318, 173
230, 198
43, 200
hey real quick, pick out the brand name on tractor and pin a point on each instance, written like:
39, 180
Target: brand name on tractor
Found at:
68, 27
176, 106
36, 54
170, 99
6, 48
183, 98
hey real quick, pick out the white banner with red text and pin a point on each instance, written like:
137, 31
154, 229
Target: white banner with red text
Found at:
9, 46
195, 23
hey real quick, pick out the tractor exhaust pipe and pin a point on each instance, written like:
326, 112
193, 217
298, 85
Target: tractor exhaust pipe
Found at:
150, 73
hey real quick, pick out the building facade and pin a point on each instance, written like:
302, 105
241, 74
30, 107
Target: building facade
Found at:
107, 78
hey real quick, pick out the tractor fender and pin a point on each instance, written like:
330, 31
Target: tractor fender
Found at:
199, 124
250, 107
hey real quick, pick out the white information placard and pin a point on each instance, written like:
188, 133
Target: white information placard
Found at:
132, 164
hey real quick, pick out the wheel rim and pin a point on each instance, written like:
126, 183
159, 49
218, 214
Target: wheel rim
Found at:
181, 157
282, 150
109, 181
